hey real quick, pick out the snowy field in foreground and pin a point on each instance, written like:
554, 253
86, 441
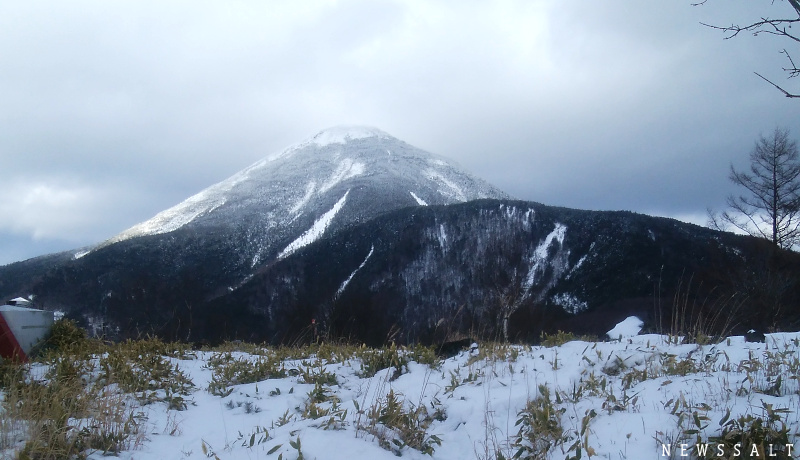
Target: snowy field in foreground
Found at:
613, 400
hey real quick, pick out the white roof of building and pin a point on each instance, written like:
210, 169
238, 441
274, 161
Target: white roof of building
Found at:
16, 308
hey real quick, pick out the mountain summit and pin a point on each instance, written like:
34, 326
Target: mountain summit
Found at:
340, 176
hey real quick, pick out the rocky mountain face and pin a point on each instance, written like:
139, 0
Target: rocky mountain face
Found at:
355, 234
506, 270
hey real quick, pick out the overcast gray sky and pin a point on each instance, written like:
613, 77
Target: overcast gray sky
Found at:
113, 111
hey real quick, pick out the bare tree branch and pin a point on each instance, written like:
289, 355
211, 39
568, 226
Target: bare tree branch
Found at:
758, 28
793, 70
788, 94
780, 27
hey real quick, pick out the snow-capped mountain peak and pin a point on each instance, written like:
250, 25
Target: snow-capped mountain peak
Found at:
271, 204
344, 133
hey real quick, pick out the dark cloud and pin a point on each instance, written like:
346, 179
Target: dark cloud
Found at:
113, 111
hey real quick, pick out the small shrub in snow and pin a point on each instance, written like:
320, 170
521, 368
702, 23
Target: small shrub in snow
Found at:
229, 371
284, 419
66, 337
424, 355
540, 427
374, 360
395, 426
142, 368
65, 415
557, 339
258, 436
316, 374
767, 434
672, 366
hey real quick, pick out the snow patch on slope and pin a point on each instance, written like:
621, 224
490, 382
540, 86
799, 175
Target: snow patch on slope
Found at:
539, 257
442, 236
347, 281
569, 303
419, 200
175, 217
558, 234
450, 189
186, 211
316, 230
347, 169
310, 187
527, 217
581, 260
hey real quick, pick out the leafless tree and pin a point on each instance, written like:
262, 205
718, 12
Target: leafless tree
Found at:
770, 206
766, 25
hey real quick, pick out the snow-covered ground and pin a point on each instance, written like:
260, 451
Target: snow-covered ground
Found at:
635, 398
